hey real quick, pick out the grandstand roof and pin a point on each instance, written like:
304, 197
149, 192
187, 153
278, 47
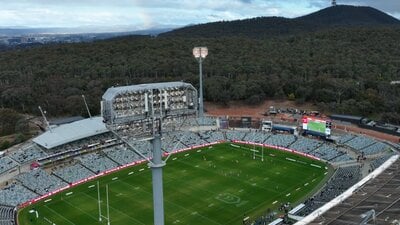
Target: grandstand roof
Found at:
74, 131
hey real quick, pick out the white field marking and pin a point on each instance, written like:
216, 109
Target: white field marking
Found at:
76, 207
69, 193
197, 166
187, 154
116, 210
174, 158
115, 178
315, 165
288, 195
210, 147
325, 173
130, 173
274, 202
60, 215
141, 169
254, 184
241, 190
210, 205
297, 189
92, 186
48, 200
198, 151
194, 213
290, 159
313, 180
305, 184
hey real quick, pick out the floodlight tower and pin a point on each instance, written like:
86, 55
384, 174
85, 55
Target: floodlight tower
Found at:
200, 53
138, 111
333, 2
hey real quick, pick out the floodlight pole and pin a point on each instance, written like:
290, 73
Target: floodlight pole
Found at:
156, 169
200, 53
201, 106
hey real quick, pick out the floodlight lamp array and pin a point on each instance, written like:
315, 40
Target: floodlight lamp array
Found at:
134, 108
200, 52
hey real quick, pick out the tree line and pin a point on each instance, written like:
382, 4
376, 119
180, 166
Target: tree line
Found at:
341, 70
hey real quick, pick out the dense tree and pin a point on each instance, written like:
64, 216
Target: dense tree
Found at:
342, 70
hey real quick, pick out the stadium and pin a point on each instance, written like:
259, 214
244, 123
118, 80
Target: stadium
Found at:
218, 171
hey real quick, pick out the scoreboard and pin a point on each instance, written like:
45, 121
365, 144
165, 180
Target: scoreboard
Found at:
319, 126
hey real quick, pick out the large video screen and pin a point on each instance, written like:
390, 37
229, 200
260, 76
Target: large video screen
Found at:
316, 125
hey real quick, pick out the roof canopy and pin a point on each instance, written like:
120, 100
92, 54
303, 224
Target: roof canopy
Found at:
70, 132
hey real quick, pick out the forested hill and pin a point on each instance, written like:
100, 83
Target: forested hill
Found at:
261, 27
341, 70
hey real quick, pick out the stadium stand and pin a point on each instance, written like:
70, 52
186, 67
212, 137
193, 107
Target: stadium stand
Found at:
305, 145
232, 135
6, 163
15, 194
40, 182
256, 136
381, 194
171, 142
7, 215
345, 138
27, 154
376, 148
103, 157
211, 136
97, 162
73, 173
121, 154
283, 140
379, 161
343, 178
359, 142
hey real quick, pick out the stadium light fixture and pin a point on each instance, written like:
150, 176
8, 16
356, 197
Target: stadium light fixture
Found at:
138, 112
200, 53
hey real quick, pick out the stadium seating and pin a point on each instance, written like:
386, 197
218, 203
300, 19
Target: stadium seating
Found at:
305, 145
97, 162
359, 142
121, 154
171, 142
27, 154
15, 194
283, 140
345, 138
6, 163
256, 136
375, 148
344, 178
40, 182
379, 161
211, 136
7, 215
232, 135
73, 173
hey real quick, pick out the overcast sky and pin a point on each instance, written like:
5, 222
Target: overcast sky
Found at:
144, 14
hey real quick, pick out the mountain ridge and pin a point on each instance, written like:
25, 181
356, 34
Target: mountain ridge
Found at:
260, 27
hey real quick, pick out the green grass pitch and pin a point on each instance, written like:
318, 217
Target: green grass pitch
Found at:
213, 185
